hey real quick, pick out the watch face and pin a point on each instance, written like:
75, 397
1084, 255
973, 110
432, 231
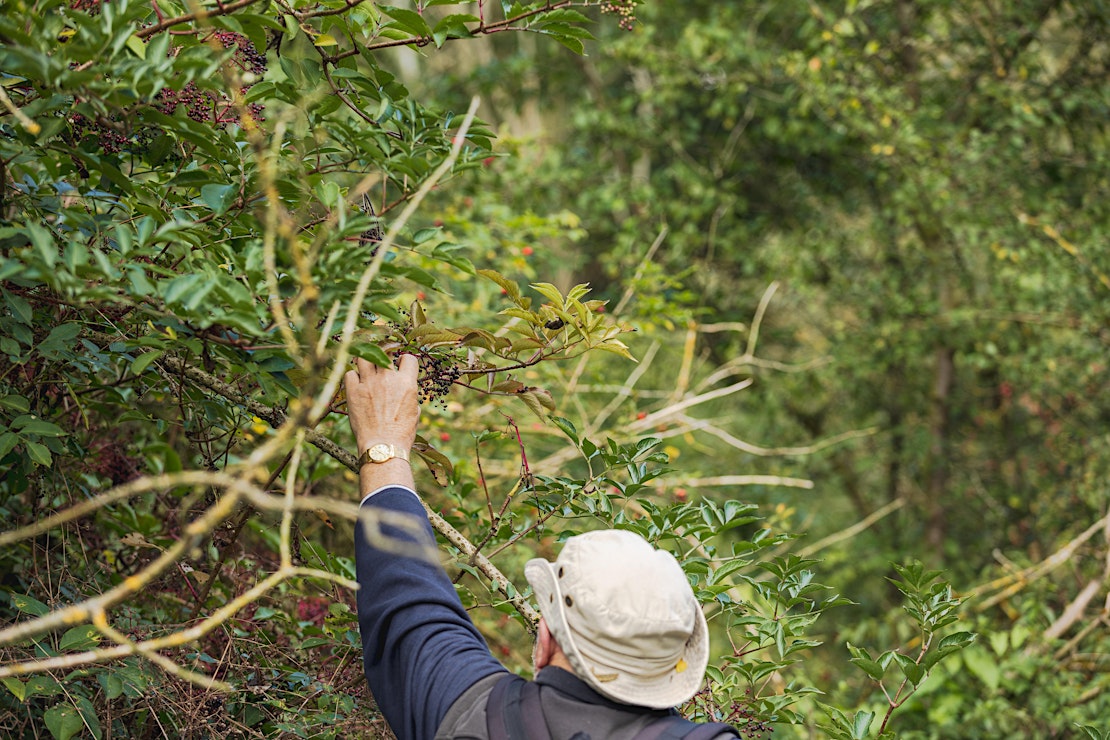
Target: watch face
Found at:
379, 453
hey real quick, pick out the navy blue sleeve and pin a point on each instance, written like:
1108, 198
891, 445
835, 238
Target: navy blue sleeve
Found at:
420, 649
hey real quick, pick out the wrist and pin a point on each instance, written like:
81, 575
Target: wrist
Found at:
399, 441
377, 452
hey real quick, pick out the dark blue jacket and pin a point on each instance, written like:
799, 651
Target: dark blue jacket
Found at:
420, 649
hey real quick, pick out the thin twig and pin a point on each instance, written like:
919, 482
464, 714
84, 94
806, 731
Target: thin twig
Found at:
852, 531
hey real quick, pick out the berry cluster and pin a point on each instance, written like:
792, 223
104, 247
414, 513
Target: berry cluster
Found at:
92, 7
208, 107
437, 374
198, 104
201, 106
747, 720
439, 369
625, 10
246, 56
740, 714
106, 136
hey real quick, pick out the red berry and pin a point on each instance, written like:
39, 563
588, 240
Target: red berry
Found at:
641, 415
444, 437
527, 251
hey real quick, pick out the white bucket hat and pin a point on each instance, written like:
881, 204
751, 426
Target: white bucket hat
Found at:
625, 616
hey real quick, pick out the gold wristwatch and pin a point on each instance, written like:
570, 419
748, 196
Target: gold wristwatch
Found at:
381, 452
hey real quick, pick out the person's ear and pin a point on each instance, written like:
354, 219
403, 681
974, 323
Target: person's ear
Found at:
545, 646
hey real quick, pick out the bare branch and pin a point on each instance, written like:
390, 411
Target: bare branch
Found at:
752, 449
746, 480
852, 531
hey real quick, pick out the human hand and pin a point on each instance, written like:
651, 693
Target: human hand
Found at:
383, 403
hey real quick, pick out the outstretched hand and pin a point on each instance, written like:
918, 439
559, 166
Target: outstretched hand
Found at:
383, 403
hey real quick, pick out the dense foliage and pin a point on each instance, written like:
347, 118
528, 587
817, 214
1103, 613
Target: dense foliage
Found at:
924, 183
205, 210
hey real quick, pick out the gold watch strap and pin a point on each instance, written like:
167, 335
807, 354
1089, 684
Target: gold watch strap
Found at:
382, 452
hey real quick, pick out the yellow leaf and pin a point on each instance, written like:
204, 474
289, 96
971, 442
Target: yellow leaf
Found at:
325, 39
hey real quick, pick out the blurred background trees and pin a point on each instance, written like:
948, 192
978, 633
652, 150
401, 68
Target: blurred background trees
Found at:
862, 246
926, 183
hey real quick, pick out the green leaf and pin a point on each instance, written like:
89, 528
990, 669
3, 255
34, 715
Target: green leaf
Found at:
911, 670
142, 362
43, 242
37, 427
218, 197
727, 569
616, 347
407, 20
15, 403
539, 401
43, 685
8, 441
64, 721
179, 287
78, 639
39, 453
512, 290
570, 42
453, 26
88, 714
958, 640
566, 427
861, 724
864, 660
20, 308
110, 683
18, 689
58, 340
136, 46
551, 293
29, 605
140, 284
372, 353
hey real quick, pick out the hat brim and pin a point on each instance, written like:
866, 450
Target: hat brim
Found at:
656, 692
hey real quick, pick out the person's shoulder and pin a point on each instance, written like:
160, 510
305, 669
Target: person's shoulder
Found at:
466, 719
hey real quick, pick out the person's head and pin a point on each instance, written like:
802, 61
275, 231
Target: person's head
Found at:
625, 617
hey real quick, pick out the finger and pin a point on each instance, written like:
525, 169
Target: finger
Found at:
408, 365
364, 368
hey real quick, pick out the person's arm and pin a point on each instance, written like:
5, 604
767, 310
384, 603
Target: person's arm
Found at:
420, 649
